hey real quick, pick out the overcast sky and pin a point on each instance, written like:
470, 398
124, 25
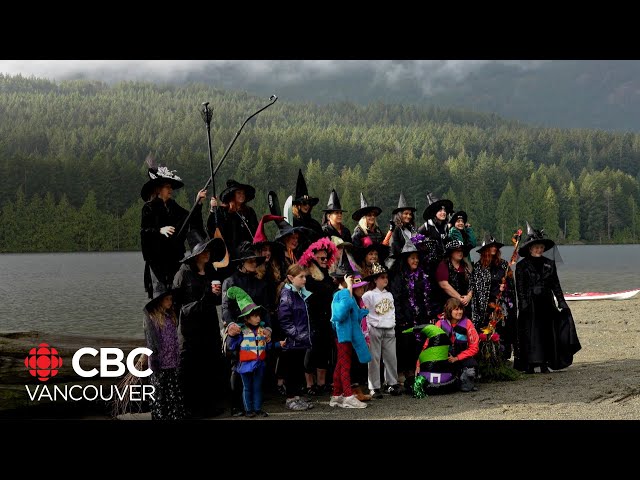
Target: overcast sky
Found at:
424, 72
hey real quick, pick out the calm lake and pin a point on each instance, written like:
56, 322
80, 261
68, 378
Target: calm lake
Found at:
101, 294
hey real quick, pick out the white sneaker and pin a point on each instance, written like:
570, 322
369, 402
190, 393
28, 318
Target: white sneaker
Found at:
296, 404
336, 401
352, 402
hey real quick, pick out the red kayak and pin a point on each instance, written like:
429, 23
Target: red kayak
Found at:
601, 295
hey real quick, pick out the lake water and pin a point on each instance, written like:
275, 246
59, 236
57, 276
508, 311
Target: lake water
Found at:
101, 294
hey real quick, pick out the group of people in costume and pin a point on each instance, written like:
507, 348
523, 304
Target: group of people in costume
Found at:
320, 310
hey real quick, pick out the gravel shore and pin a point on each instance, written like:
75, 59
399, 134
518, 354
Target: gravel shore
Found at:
602, 384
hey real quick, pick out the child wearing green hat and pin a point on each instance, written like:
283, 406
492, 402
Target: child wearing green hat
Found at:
250, 346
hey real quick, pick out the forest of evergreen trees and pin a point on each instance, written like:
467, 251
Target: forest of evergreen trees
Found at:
72, 162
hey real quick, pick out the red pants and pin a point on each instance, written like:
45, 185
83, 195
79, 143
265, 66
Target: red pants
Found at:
342, 371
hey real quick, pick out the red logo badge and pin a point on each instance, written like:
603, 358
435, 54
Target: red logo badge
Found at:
43, 362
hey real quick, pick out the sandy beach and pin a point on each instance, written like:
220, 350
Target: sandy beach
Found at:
602, 384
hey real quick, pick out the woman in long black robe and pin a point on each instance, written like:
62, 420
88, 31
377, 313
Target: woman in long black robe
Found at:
546, 335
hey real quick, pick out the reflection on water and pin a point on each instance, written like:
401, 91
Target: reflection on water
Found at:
101, 294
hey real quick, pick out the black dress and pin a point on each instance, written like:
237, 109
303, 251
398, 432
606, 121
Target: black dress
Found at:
546, 336
162, 254
201, 370
235, 227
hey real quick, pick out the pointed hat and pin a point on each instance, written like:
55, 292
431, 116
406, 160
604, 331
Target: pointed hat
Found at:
434, 204
245, 303
488, 242
364, 209
260, 238
333, 205
402, 205
302, 194
346, 267
534, 236
198, 244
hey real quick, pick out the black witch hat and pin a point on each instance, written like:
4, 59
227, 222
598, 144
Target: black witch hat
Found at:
159, 176
402, 205
246, 251
198, 244
344, 267
454, 218
160, 290
362, 252
232, 186
434, 204
364, 209
534, 236
333, 205
453, 245
488, 242
285, 228
302, 194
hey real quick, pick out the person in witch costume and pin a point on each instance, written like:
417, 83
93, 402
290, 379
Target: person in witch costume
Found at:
161, 332
454, 277
459, 229
161, 219
404, 227
411, 289
246, 264
461, 350
317, 259
346, 319
370, 255
434, 373
271, 271
250, 346
332, 220
547, 337
486, 283
237, 220
201, 363
289, 238
381, 322
302, 206
367, 231
436, 226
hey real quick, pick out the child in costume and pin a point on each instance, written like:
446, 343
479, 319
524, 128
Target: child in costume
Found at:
346, 317
251, 348
381, 322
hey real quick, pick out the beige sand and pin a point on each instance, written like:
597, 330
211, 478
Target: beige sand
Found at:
602, 384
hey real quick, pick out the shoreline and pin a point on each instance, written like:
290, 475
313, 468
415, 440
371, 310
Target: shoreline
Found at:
602, 384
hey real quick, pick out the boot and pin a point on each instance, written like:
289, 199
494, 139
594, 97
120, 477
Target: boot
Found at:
468, 379
360, 395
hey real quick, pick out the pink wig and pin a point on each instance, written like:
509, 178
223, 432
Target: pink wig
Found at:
323, 244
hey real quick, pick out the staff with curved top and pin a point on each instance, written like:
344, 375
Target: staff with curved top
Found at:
272, 100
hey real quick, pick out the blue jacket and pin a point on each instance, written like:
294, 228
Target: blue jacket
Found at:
294, 318
346, 317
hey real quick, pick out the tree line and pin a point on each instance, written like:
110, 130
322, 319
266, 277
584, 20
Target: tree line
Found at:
72, 160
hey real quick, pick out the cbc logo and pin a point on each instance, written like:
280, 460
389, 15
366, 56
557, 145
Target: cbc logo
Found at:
110, 357
43, 362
